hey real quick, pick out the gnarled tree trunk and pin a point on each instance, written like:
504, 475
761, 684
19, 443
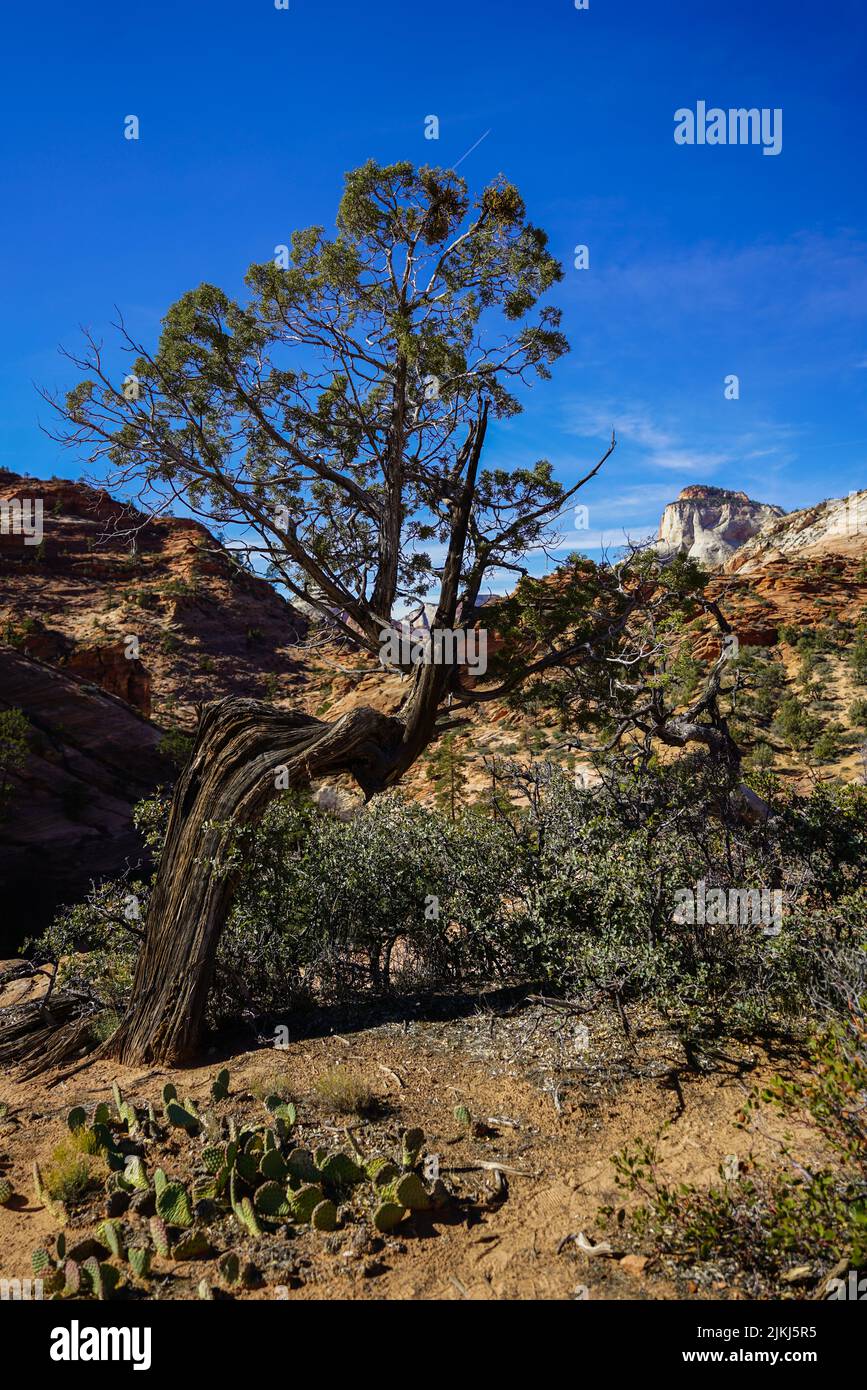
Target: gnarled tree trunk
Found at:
244, 752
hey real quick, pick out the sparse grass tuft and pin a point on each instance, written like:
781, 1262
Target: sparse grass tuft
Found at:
272, 1083
72, 1170
346, 1092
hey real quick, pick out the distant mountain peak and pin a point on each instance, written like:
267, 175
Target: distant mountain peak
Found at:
711, 523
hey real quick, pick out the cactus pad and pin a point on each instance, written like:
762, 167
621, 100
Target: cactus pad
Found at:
306, 1200
388, 1215
140, 1260
270, 1200
340, 1170
324, 1217
301, 1165
413, 1141
411, 1192
173, 1205
193, 1245
220, 1086
181, 1118
109, 1234
159, 1236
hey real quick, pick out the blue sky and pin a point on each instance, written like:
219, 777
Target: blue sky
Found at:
704, 261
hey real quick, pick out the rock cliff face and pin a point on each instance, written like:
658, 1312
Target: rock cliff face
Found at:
90, 757
98, 705
837, 526
104, 574
711, 523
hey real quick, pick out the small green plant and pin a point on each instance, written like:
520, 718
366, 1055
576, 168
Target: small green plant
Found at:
177, 745
346, 1092
764, 1222
72, 1170
272, 1083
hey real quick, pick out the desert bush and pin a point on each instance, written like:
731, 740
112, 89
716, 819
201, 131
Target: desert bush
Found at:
397, 897
797, 725
600, 871
572, 886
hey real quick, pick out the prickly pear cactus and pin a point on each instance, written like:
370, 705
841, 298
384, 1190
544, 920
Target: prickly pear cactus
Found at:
270, 1200
77, 1118
282, 1110
220, 1086
388, 1215
71, 1279
109, 1232
181, 1117
205, 1190
302, 1166
324, 1216
247, 1217
134, 1172
273, 1166
127, 1114
306, 1200
103, 1135
159, 1236
103, 1278
411, 1192
412, 1144
213, 1158
340, 1170
40, 1260
382, 1171
140, 1260
193, 1245
5, 1192
173, 1205
169, 1093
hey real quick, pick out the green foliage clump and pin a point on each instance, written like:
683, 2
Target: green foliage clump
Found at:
14, 749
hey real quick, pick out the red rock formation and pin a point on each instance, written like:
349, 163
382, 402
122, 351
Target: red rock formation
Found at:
104, 573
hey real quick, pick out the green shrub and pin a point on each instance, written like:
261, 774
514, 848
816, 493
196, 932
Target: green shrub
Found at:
177, 745
14, 730
571, 886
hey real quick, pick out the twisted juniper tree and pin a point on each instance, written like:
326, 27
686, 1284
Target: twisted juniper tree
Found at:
336, 421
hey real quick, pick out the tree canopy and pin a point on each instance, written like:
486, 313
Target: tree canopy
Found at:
338, 415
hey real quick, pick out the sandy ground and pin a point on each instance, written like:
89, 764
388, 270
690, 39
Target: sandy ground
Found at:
555, 1117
